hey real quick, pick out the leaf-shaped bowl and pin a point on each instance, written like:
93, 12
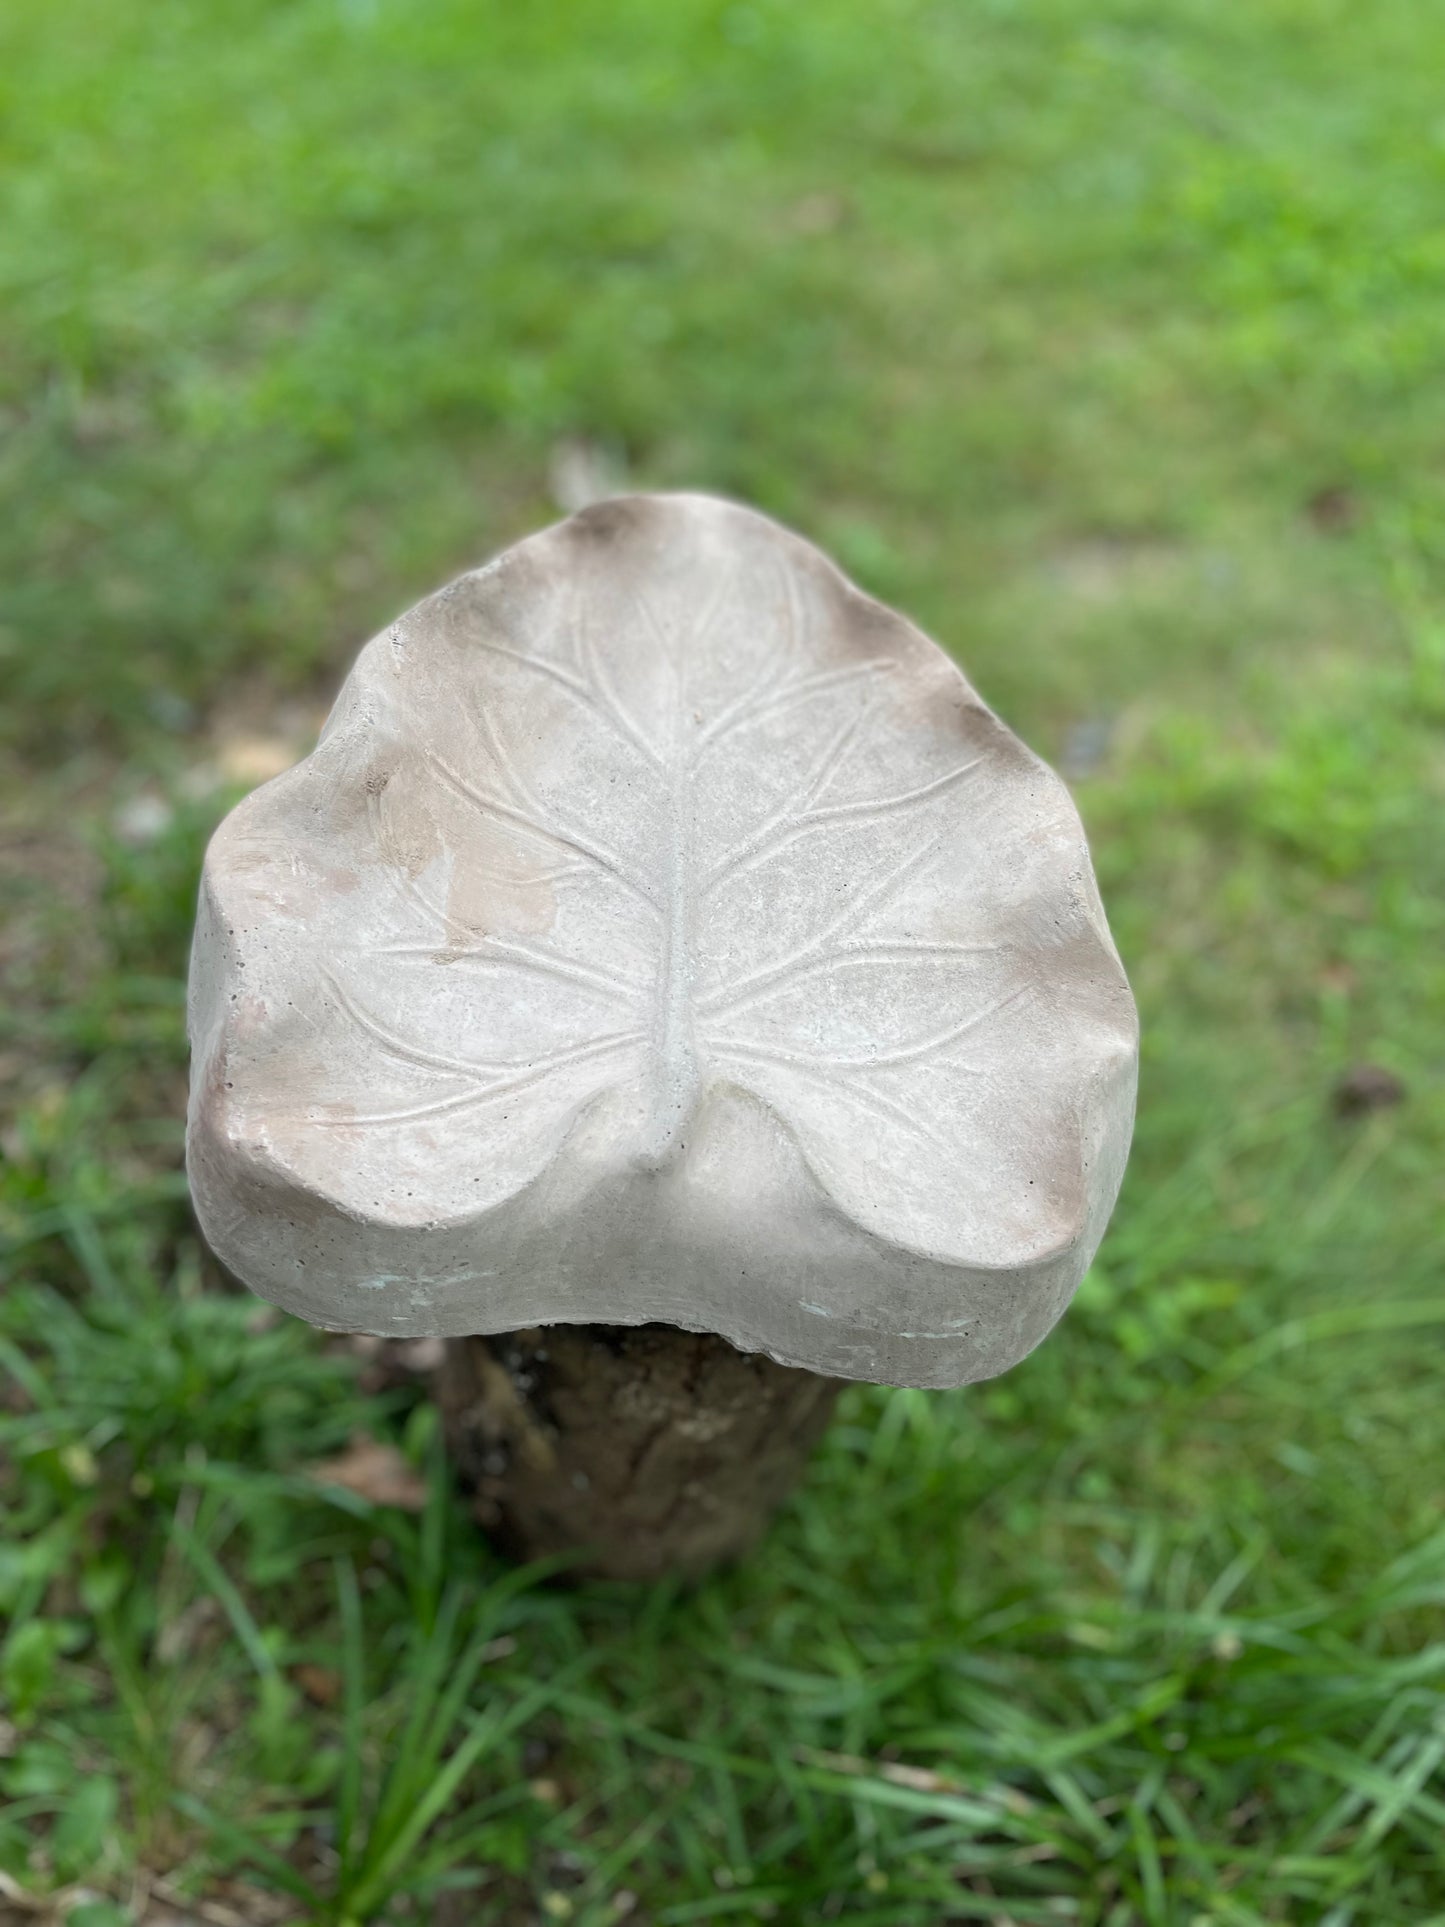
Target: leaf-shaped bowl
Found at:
663, 930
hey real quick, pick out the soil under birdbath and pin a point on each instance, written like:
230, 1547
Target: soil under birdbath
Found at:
668, 982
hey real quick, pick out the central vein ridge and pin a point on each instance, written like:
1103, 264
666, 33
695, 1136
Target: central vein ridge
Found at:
675, 1066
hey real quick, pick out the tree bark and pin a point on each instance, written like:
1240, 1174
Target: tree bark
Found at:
645, 1450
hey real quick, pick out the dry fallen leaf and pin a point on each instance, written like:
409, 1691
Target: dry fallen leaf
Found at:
1365, 1088
919, 1779
376, 1472
320, 1684
820, 212
255, 758
1334, 510
580, 472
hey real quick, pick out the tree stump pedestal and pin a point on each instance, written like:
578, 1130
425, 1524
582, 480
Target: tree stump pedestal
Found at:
645, 1449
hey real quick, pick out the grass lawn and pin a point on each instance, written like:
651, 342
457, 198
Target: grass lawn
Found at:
1107, 339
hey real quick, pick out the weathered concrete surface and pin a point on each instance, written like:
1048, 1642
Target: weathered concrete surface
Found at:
663, 931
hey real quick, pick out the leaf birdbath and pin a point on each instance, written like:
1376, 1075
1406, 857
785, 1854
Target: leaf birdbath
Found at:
670, 982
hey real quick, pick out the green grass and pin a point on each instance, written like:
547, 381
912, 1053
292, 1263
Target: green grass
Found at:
1107, 340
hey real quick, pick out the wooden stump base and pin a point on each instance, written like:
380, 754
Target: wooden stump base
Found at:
646, 1450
